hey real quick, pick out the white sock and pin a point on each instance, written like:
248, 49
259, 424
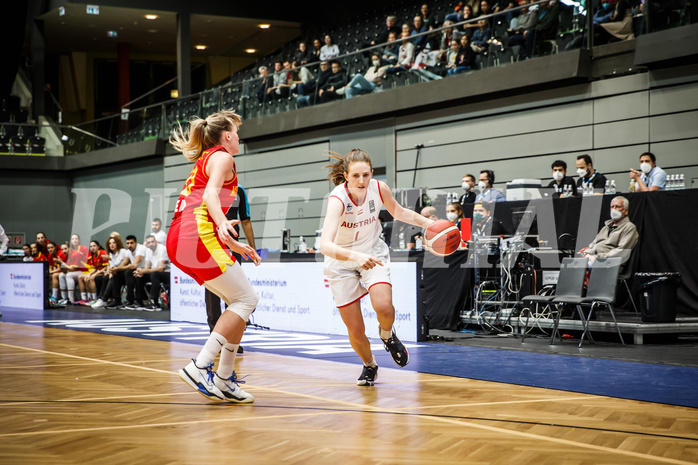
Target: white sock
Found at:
226, 364
386, 334
64, 294
93, 296
213, 346
54, 292
84, 296
371, 363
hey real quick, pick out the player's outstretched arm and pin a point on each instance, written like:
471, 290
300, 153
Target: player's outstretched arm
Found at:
399, 212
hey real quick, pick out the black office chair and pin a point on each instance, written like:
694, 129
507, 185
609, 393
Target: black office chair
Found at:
570, 283
601, 291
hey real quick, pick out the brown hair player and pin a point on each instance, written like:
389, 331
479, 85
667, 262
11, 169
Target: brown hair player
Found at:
357, 261
196, 244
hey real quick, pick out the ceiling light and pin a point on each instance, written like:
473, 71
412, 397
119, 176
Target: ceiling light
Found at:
174, 93
264, 26
250, 50
200, 47
112, 34
151, 17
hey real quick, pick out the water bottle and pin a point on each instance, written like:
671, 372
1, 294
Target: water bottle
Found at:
613, 186
632, 186
402, 241
670, 183
302, 247
682, 181
418, 243
607, 187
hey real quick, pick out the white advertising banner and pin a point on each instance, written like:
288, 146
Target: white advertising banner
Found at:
22, 285
294, 296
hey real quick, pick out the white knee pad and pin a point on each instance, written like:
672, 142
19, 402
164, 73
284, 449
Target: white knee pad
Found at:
245, 307
62, 281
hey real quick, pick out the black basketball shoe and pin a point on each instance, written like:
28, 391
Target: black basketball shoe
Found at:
368, 376
396, 349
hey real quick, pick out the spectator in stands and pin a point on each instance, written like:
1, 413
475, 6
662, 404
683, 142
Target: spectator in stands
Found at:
486, 9
405, 29
604, 13
481, 37
365, 84
390, 26
487, 192
419, 42
499, 6
484, 224
329, 50
105, 283
97, 263
156, 230
123, 274
471, 27
307, 92
546, 26
27, 253
620, 26
300, 74
447, 36
405, 56
302, 55
74, 268
465, 59
337, 80
561, 180
451, 55
36, 254
468, 184
315, 53
429, 19
650, 177
279, 88
156, 271
454, 213
415, 232
523, 26
588, 175
618, 235
264, 85
391, 50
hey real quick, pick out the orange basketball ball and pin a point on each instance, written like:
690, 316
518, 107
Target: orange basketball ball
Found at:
442, 238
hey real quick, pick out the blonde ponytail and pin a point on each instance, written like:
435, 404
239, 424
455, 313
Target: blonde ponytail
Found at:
203, 133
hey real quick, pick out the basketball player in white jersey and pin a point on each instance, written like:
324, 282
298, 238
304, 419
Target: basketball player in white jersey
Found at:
357, 261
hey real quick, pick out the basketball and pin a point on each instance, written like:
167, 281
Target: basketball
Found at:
442, 238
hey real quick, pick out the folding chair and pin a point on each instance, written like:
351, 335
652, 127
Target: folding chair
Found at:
601, 290
570, 283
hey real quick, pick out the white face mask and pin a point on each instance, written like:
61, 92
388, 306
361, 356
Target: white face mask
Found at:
466, 186
645, 167
558, 175
581, 172
452, 216
616, 215
482, 185
376, 62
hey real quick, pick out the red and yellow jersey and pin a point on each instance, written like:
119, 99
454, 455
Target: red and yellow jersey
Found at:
192, 242
40, 257
98, 261
78, 258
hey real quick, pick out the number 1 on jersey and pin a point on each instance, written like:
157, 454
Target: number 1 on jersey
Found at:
356, 238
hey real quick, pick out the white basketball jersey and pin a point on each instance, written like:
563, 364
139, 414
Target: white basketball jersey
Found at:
359, 227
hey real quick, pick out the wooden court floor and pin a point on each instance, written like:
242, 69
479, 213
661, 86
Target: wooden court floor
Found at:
70, 397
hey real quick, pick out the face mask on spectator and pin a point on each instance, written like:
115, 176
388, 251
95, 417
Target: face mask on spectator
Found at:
558, 175
466, 186
482, 185
645, 167
477, 217
452, 217
581, 172
616, 215
376, 62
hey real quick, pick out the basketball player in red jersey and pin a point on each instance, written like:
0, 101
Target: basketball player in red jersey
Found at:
356, 259
196, 244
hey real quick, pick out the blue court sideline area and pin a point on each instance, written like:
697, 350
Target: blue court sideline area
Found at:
630, 380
